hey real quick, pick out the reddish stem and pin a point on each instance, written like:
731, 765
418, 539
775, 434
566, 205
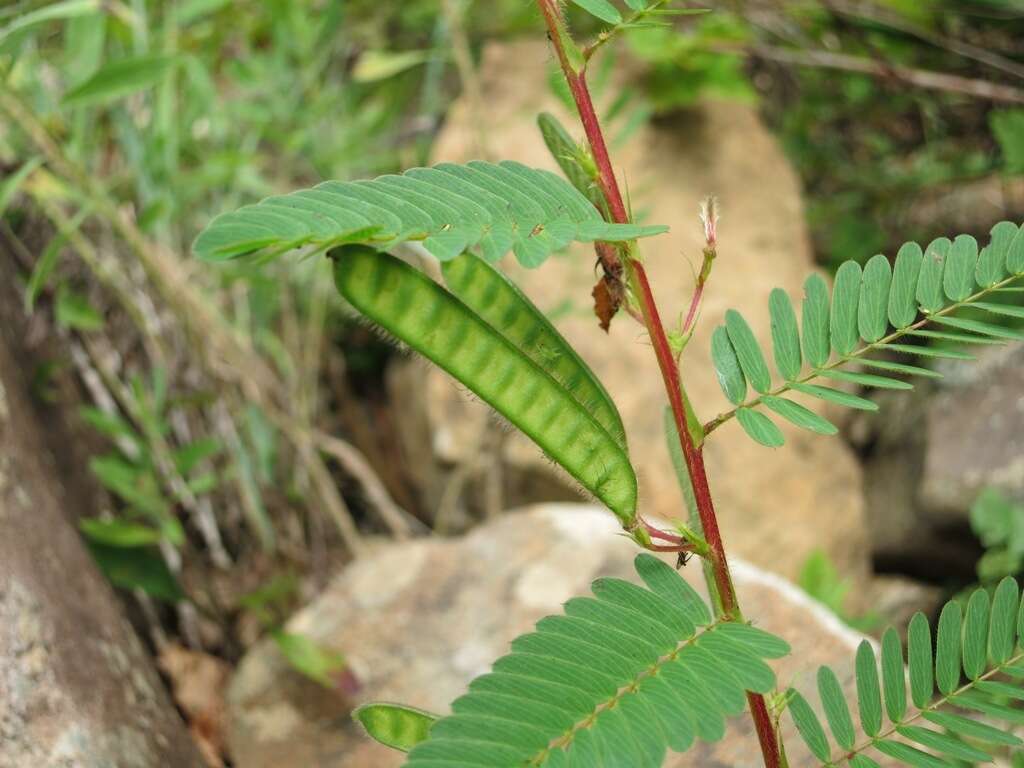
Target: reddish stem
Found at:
673, 548
766, 735
692, 455
577, 82
694, 303
669, 369
657, 533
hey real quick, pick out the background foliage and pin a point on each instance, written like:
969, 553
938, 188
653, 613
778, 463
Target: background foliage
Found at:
163, 115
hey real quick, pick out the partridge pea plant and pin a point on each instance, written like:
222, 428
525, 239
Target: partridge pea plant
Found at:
621, 677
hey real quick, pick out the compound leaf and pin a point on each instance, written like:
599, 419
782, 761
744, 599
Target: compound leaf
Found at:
486, 207
872, 313
869, 698
655, 680
799, 415
955, 741
909, 755
930, 280
837, 396
808, 725
760, 428
975, 641
919, 656
958, 279
972, 728
567, 153
601, 9
1001, 633
836, 711
984, 329
748, 351
727, 366
867, 379
903, 290
947, 649
785, 335
816, 321
893, 681
845, 300
991, 266
941, 742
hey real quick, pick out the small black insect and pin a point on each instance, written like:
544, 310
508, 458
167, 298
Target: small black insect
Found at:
683, 559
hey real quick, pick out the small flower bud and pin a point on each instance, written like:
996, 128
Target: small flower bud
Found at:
709, 218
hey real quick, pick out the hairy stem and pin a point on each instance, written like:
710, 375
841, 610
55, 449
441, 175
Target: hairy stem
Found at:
694, 458
577, 81
691, 315
692, 454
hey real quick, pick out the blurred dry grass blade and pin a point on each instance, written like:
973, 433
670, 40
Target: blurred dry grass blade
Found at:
938, 81
870, 11
225, 354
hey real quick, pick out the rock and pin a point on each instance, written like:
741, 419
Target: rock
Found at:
895, 600
975, 435
903, 538
417, 621
964, 206
932, 452
76, 687
770, 502
468, 454
198, 681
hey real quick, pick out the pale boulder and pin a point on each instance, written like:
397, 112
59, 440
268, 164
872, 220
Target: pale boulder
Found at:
775, 506
420, 619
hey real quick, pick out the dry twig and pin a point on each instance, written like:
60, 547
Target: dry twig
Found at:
920, 78
226, 354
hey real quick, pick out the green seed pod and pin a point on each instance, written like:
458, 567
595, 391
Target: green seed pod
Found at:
427, 318
501, 304
394, 725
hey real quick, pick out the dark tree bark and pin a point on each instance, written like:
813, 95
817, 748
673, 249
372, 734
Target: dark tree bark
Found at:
76, 686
